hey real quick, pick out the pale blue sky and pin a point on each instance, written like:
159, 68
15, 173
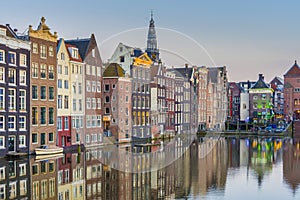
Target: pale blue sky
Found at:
249, 37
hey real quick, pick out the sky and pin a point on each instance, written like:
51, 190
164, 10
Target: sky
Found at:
248, 37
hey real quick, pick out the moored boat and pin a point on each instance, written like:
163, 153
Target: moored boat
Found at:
46, 150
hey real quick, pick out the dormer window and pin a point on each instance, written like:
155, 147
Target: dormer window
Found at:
75, 53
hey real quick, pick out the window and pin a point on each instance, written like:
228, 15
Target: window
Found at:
51, 72
66, 70
2, 145
43, 51
263, 96
107, 99
43, 92
12, 190
113, 86
80, 105
93, 103
22, 142
88, 103
2, 74
99, 103
59, 69
2, 122
51, 139
79, 88
51, 115
12, 99
88, 86
43, 115
62, 56
22, 123
11, 123
35, 48
98, 86
34, 116
22, 77
51, 52
106, 87
34, 138
122, 59
66, 84
66, 119
22, 100
51, 93
106, 110
23, 59
59, 101
74, 104
2, 56
93, 53
12, 76
66, 102
2, 98
93, 86
59, 83
75, 53
34, 92
12, 58
98, 120
34, 70
43, 71
23, 187
59, 123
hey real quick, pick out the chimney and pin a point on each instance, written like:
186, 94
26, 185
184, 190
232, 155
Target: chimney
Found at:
261, 77
186, 66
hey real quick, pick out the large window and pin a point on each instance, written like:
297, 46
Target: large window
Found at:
22, 77
51, 93
11, 76
22, 123
43, 51
23, 59
43, 92
2, 123
2, 56
12, 99
34, 70
43, 71
11, 123
51, 72
34, 92
12, 58
51, 116
22, 100
2, 99
59, 101
22, 141
34, 116
2, 74
43, 115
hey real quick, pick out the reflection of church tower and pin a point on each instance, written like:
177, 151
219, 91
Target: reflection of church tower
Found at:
152, 50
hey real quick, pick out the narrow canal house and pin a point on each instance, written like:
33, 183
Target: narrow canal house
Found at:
117, 103
260, 102
14, 92
43, 84
92, 133
292, 92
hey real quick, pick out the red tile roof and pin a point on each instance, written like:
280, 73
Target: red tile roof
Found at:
70, 55
294, 70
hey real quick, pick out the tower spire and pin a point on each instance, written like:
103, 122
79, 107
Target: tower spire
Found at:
152, 49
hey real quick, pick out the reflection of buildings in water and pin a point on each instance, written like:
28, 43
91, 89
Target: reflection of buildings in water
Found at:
233, 152
43, 179
71, 182
14, 179
244, 152
291, 164
211, 170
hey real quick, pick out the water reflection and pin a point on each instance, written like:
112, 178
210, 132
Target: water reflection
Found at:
209, 168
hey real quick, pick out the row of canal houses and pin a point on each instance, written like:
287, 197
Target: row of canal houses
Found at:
59, 92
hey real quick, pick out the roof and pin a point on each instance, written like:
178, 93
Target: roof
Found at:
294, 70
81, 44
114, 70
213, 74
183, 72
70, 55
260, 83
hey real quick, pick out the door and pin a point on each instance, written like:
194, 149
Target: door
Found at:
11, 143
43, 138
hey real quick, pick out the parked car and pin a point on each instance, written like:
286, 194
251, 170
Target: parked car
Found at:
278, 130
269, 129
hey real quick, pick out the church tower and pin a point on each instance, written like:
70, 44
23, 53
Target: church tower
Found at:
152, 49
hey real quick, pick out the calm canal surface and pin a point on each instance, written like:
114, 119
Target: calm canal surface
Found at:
223, 168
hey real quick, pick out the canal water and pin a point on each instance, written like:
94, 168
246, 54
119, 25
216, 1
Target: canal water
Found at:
211, 168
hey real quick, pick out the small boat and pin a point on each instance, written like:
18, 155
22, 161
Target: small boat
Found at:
46, 150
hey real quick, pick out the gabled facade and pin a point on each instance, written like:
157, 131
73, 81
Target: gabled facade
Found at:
234, 101
92, 72
260, 102
124, 55
14, 92
43, 85
278, 97
202, 97
292, 92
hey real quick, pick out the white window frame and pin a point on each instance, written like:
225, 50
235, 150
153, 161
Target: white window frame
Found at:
3, 56
2, 99
23, 60
2, 146
11, 122
22, 143
2, 74
24, 122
